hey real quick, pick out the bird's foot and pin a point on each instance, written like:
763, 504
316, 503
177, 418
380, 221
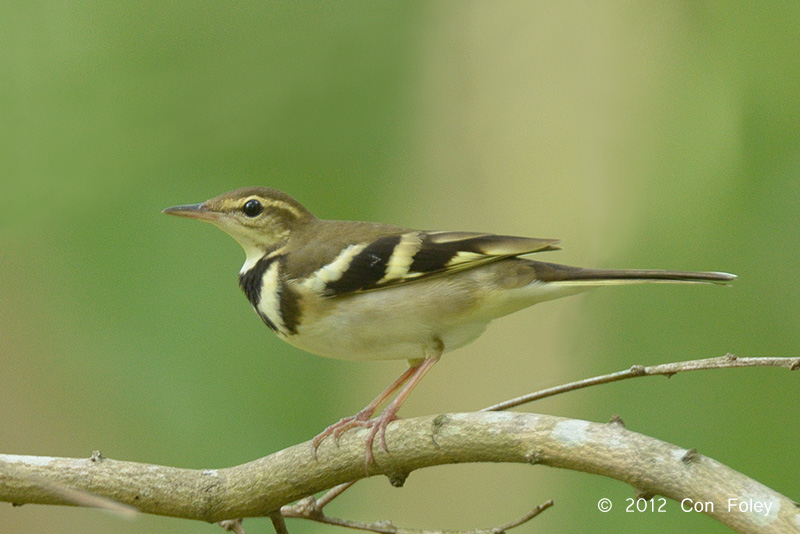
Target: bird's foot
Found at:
341, 426
376, 426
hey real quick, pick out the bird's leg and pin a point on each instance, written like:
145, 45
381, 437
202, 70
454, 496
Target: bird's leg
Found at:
389, 414
361, 418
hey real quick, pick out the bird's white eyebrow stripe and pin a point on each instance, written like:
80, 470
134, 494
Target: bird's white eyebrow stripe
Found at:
274, 203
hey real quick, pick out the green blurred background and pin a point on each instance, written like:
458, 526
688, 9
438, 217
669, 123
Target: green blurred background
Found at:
643, 134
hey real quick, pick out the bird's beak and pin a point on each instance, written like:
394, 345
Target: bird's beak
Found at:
193, 211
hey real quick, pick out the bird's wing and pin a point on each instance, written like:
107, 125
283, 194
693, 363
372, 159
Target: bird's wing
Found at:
409, 256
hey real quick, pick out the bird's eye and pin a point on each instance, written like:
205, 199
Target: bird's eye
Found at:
252, 208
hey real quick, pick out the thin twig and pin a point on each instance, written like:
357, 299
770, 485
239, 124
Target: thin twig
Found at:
311, 506
525, 518
667, 369
386, 527
232, 525
331, 494
278, 523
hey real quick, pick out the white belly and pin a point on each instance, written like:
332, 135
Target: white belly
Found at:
412, 321
385, 325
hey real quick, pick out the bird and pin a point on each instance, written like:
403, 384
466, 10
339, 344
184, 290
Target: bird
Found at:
355, 290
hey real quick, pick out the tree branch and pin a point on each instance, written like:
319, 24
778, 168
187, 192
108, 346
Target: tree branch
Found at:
314, 513
266, 486
261, 487
728, 361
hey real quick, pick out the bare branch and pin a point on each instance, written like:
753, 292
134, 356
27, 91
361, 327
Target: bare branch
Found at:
667, 369
525, 518
261, 487
323, 501
386, 527
311, 509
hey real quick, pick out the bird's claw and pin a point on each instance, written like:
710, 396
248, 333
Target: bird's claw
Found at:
376, 426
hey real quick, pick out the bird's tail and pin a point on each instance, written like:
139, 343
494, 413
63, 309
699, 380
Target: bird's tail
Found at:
567, 275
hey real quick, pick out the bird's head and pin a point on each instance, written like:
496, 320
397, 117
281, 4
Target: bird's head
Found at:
258, 218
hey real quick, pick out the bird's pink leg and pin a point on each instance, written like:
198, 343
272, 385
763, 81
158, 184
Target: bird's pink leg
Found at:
361, 418
389, 414
411, 377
